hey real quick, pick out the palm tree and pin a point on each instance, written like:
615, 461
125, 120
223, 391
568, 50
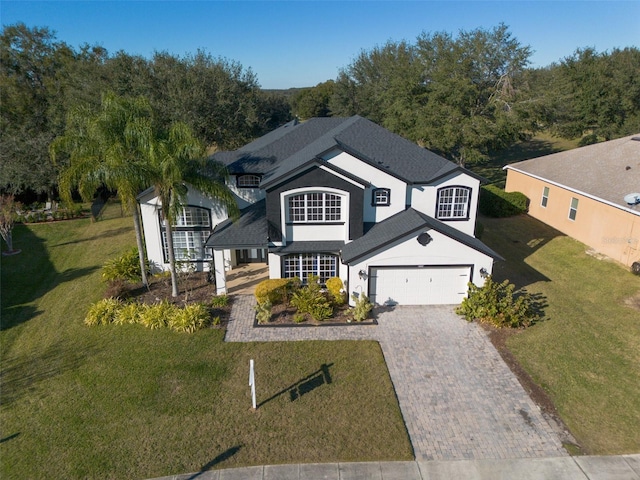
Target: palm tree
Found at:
178, 162
111, 148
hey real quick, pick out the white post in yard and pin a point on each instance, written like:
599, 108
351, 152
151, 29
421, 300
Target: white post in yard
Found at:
252, 384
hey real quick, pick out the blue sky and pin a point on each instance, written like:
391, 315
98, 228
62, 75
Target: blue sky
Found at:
301, 43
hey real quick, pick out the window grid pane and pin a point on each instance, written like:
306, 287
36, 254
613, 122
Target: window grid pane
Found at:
315, 207
193, 217
304, 264
453, 202
545, 196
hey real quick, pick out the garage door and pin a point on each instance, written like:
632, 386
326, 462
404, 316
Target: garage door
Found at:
418, 286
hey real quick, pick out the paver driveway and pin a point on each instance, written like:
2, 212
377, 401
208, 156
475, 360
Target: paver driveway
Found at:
458, 398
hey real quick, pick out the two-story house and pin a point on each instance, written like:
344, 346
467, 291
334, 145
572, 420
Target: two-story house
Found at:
339, 197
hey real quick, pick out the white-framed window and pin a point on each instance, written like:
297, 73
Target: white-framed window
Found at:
301, 265
248, 181
381, 197
573, 209
190, 232
453, 203
314, 207
545, 197
188, 245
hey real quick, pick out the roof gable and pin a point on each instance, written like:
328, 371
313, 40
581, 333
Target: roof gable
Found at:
402, 224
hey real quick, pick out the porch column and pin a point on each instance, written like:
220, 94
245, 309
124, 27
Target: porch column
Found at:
220, 271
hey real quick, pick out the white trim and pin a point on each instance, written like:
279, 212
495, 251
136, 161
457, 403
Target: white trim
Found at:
343, 177
574, 190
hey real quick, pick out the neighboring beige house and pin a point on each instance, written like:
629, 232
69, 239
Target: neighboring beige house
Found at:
588, 193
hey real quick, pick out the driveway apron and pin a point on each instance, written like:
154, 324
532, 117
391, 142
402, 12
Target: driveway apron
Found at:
458, 398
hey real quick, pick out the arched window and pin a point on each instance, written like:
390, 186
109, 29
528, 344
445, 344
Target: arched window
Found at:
190, 233
453, 203
248, 181
314, 207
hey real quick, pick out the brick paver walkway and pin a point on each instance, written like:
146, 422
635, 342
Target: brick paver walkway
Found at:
458, 398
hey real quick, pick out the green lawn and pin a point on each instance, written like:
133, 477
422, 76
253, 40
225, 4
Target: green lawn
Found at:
128, 402
586, 354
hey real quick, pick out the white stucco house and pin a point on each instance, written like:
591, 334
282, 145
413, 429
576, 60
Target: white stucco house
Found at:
338, 197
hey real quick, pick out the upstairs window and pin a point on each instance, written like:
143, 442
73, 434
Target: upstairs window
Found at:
315, 207
573, 209
248, 181
545, 197
453, 203
381, 197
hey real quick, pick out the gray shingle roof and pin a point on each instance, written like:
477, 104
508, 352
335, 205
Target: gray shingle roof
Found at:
250, 230
608, 170
288, 147
401, 225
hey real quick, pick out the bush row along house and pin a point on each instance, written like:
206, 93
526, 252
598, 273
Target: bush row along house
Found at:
337, 197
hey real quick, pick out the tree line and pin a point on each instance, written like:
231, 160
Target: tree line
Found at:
463, 96
469, 95
43, 80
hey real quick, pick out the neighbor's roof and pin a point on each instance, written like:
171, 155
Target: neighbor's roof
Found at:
607, 171
402, 224
294, 144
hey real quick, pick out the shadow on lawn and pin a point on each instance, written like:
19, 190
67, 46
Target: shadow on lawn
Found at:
21, 375
28, 276
304, 385
227, 454
516, 239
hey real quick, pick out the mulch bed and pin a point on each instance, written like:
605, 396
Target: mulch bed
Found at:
194, 288
284, 316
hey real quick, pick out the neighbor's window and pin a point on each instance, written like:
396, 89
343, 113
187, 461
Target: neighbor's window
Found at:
248, 181
301, 265
190, 233
545, 197
381, 197
453, 203
315, 207
573, 210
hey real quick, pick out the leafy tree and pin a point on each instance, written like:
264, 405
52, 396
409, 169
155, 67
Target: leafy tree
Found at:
111, 148
177, 163
596, 94
459, 96
7, 212
314, 101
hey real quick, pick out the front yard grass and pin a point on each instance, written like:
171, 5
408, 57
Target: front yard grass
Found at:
586, 355
128, 402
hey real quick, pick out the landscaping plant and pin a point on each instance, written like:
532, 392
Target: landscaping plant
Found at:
499, 304
312, 300
362, 307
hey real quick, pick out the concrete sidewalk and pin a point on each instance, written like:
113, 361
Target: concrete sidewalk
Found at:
623, 467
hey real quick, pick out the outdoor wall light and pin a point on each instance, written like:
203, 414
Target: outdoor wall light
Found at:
424, 239
362, 274
484, 273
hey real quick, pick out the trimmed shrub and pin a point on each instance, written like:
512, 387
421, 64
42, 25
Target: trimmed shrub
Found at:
362, 308
103, 312
336, 289
128, 313
310, 299
263, 312
190, 318
157, 315
126, 267
499, 305
274, 290
220, 301
495, 202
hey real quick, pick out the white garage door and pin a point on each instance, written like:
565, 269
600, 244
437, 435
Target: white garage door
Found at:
418, 286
